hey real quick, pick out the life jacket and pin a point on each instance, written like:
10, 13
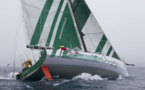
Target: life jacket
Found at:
28, 63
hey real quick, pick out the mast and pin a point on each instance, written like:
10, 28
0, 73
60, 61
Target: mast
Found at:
78, 28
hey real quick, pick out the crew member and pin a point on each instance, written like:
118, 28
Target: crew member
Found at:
28, 63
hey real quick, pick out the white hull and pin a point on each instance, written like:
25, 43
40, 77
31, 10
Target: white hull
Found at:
70, 67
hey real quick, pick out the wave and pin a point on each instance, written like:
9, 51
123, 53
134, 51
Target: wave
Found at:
28, 86
120, 77
83, 76
9, 76
62, 82
87, 76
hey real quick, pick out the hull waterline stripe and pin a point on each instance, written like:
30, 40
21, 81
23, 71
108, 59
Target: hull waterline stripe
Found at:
48, 24
41, 22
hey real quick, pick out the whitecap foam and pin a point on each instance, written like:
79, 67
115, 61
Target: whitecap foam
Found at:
87, 76
4, 78
120, 77
10, 76
62, 82
28, 86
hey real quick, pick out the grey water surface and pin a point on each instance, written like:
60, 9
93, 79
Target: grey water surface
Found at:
136, 81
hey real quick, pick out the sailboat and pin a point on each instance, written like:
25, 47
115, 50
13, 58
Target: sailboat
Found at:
70, 41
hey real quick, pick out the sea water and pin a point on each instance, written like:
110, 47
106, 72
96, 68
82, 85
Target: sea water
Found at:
84, 81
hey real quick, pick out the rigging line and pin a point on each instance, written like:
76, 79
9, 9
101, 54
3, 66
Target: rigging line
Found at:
30, 23
81, 34
22, 19
96, 29
89, 37
19, 22
33, 55
87, 28
21, 62
25, 35
26, 56
76, 6
103, 33
16, 43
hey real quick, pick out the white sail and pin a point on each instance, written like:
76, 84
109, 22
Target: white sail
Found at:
31, 13
94, 37
51, 23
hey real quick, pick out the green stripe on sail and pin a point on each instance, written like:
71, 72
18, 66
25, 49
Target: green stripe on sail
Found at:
101, 44
54, 22
115, 55
82, 13
109, 51
66, 33
41, 22
75, 3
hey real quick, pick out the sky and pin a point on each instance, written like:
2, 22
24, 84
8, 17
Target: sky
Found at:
123, 22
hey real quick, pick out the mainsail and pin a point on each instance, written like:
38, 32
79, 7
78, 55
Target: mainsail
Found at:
54, 23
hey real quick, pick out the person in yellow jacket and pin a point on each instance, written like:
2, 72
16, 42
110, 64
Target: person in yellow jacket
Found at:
28, 63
